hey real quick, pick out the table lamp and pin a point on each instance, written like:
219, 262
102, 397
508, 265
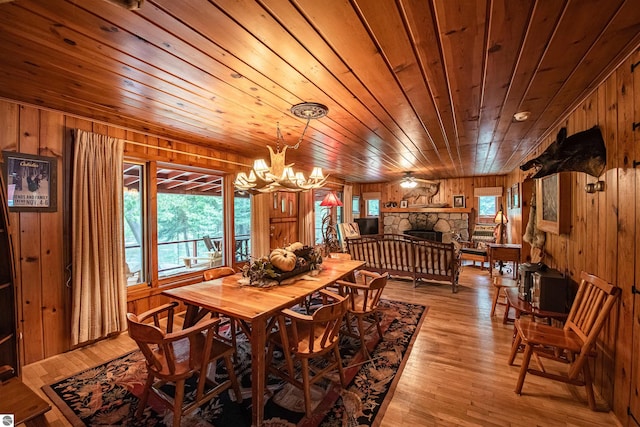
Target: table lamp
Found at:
329, 234
501, 219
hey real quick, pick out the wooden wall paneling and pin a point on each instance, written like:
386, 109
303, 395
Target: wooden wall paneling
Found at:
609, 222
30, 262
601, 196
9, 141
592, 257
55, 295
626, 236
634, 404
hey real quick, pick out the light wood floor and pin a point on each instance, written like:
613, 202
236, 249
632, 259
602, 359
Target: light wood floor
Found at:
456, 375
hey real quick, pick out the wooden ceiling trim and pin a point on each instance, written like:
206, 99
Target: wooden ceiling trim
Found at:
363, 61
397, 49
462, 45
600, 60
560, 59
544, 17
191, 111
72, 87
193, 16
508, 22
421, 26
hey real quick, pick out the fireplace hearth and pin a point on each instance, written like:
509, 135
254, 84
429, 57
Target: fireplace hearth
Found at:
425, 234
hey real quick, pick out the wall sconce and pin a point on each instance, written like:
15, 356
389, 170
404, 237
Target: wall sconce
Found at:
594, 186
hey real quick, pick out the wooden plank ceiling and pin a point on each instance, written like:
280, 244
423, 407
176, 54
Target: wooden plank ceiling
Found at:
425, 86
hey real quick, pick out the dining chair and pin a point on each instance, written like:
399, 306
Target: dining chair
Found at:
364, 299
572, 344
174, 357
304, 338
216, 273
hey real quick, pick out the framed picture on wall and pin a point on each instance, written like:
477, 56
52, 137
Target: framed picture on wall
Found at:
31, 182
404, 204
458, 201
509, 205
553, 199
515, 195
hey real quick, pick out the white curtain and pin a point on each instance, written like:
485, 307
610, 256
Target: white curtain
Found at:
98, 276
347, 204
260, 231
306, 218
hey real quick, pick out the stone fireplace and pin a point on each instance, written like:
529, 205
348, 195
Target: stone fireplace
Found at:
445, 222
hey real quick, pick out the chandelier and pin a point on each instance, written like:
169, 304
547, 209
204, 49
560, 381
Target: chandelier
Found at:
279, 176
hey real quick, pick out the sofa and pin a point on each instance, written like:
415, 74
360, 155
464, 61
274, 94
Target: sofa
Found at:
404, 255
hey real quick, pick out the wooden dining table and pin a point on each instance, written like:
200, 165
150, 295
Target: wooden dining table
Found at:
254, 307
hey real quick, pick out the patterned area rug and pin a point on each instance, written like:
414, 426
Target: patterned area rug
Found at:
108, 394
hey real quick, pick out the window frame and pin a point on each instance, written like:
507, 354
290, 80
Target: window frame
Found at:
150, 227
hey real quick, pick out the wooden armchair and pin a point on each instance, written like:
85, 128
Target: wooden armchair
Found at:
177, 356
364, 298
304, 337
476, 249
573, 344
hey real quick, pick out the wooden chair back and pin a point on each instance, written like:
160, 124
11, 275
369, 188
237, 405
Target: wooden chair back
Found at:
216, 273
160, 346
176, 356
364, 298
318, 332
589, 311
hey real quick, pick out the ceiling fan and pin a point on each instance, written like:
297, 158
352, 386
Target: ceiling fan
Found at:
410, 181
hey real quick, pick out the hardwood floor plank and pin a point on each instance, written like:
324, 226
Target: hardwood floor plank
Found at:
456, 374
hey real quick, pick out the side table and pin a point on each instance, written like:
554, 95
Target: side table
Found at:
521, 306
504, 252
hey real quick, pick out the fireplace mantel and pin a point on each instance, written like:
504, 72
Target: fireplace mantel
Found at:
426, 210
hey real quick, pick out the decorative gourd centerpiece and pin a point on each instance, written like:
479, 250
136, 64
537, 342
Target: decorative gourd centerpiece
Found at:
282, 264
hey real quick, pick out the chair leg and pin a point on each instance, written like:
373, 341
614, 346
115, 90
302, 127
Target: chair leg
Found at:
528, 350
177, 403
336, 352
145, 395
586, 373
514, 348
361, 332
496, 295
306, 386
378, 321
233, 378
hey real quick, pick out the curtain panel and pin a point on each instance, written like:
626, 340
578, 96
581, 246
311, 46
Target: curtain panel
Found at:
347, 204
98, 274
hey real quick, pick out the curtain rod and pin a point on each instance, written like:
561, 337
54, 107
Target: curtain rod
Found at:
173, 150
202, 156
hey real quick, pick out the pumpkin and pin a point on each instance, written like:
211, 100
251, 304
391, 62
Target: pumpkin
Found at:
294, 246
283, 259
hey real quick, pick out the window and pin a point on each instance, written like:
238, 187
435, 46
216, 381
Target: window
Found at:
355, 206
188, 227
487, 206
242, 226
321, 212
373, 207
134, 225
189, 207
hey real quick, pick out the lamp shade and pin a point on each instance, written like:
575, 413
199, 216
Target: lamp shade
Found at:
331, 200
501, 218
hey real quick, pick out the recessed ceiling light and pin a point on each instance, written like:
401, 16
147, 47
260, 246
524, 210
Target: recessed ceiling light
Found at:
521, 116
